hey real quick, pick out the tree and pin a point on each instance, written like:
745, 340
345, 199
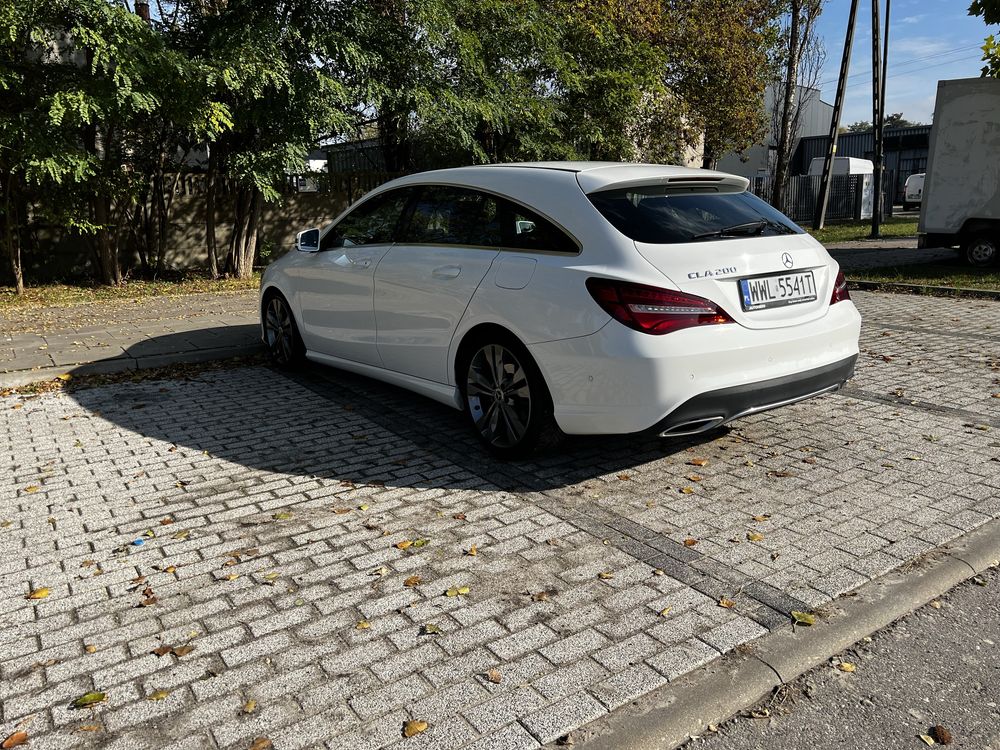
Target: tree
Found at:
803, 55
891, 121
720, 64
989, 10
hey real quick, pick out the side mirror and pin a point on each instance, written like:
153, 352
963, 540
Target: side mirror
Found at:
307, 241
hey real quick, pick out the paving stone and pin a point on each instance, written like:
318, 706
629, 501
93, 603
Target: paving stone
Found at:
556, 720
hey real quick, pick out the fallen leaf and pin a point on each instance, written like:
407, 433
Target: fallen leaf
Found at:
694, 477
780, 474
623, 477
658, 572
412, 581
15, 740
183, 650
232, 576
928, 740
89, 728
762, 517
170, 569
753, 536
459, 516
341, 511
138, 580
250, 706
64, 377
421, 542
283, 516
412, 728
936, 604
472, 551
690, 542
261, 743
430, 628
362, 625
803, 618
726, 603
89, 648
846, 666
463, 590
158, 695
31, 489
166, 521
540, 596
494, 676
363, 507
687, 490
39, 593
405, 544
606, 574
665, 611
760, 713
941, 734
698, 462
89, 699
163, 650
272, 576
979, 581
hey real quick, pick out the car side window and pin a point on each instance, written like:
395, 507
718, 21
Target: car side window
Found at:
443, 215
525, 230
373, 222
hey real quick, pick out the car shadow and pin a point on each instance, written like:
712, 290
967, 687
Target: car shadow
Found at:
321, 422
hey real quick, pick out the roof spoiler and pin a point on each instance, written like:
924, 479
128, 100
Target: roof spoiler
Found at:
727, 183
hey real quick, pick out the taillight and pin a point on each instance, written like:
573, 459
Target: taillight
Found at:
840, 292
653, 310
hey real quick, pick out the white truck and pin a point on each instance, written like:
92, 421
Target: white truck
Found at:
961, 199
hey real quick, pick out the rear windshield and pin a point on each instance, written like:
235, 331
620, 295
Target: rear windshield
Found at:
660, 214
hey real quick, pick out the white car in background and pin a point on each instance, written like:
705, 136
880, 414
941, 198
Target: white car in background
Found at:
598, 298
913, 190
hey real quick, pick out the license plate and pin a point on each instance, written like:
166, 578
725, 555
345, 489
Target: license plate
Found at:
777, 291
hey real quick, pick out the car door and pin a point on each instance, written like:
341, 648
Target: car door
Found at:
336, 287
425, 282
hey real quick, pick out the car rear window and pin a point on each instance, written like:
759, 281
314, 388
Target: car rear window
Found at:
664, 215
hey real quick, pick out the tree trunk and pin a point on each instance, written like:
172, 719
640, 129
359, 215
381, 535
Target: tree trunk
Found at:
210, 241
108, 269
783, 152
244, 246
12, 232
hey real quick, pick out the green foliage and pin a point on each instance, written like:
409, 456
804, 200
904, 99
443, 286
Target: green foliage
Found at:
990, 12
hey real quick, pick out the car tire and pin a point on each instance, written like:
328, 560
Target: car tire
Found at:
281, 334
907, 206
981, 251
505, 397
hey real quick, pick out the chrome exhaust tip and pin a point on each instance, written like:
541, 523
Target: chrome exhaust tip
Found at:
695, 427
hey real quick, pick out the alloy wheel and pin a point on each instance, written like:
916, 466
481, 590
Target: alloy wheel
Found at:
498, 395
279, 331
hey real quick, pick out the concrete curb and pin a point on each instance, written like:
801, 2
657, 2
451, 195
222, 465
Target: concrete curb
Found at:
933, 291
667, 717
17, 378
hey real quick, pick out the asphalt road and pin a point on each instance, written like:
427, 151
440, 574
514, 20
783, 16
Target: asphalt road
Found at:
935, 666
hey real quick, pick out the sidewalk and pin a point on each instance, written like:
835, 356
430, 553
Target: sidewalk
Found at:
97, 338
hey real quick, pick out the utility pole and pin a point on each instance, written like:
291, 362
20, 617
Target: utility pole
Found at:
819, 217
878, 120
891, 189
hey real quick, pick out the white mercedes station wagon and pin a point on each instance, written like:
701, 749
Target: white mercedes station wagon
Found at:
596, 298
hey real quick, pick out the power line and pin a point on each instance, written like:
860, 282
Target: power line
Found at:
903, 63
911, 72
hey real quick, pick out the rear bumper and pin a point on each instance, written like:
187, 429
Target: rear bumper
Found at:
715, 408
619, 381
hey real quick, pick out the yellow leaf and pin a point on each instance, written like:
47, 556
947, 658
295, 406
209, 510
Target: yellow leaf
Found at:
698, 462
283, 516
665, 611
690, 542
754, 536
405, 544
430, 629
31, 489
89, 699
687, 490
472, 551
726, 603
694, 477
362, 625
65, 377
232, 576
803, 618
90, 648
936, 604
463, 590
606, 574
494, 676
170, 569
762, 517
261, 743
250, 706
363, 507
89, 728
846, 666
658, 572
412, 728
271, 576
158, 695
928, 740
412, 581
39, 593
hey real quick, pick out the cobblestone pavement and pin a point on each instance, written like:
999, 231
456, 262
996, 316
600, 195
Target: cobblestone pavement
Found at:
275, 511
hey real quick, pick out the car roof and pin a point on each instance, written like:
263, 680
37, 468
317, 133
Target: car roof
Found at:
591, 175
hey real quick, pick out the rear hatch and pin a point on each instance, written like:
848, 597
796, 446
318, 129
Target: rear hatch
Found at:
716, 241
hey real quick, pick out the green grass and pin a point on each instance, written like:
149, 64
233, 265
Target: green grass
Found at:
949, 274
896, 226
52, 295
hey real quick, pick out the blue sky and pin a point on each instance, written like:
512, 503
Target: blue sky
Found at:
929, 40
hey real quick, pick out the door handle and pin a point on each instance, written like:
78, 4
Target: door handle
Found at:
364, 262
446, 272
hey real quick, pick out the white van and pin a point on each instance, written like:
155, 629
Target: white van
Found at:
913, 191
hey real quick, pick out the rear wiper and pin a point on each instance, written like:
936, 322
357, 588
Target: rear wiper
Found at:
747, 228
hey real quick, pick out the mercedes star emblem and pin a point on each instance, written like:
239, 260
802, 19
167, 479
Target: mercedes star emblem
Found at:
786, 259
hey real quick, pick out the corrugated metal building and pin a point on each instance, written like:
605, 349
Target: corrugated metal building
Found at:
905, 152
